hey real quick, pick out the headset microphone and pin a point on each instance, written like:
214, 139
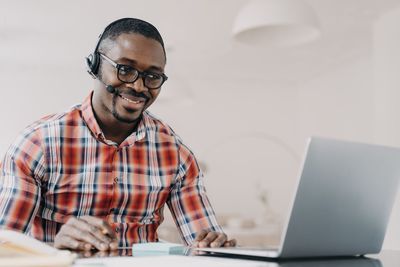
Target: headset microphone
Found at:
111, 89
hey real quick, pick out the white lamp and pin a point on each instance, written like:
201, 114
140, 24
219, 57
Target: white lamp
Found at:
276, 22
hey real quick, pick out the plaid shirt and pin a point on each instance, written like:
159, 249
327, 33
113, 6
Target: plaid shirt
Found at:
63, 166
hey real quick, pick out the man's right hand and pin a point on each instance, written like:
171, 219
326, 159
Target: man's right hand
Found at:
86, 233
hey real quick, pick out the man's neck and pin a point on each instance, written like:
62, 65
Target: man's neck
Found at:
117, 132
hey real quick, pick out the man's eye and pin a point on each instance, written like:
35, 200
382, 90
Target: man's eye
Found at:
153, 76
125, 70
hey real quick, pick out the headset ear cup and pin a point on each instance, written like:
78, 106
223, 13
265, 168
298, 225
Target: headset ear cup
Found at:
88, 61
92, 63
95, 62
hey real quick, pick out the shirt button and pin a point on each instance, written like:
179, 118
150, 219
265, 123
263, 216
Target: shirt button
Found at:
116, 229
116, 180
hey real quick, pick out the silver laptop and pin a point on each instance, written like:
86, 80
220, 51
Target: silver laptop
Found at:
343, 202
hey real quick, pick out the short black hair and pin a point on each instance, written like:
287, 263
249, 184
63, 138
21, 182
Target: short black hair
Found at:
129, 25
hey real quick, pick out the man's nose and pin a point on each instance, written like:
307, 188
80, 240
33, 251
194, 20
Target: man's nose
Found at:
138, 85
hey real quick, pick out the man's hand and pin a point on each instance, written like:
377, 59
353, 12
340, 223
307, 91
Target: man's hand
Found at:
86, 233
213, 239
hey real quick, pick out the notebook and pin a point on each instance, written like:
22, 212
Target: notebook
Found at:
19, 249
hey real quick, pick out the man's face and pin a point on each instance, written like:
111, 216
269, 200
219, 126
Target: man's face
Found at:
141, 53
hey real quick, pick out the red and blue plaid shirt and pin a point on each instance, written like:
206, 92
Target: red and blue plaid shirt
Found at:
63, 166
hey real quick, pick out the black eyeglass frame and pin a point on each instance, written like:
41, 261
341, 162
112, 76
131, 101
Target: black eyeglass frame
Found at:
142, 74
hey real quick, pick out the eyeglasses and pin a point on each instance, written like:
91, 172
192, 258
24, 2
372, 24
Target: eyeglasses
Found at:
128, 74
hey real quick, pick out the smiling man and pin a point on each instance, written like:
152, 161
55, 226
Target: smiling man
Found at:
99, 175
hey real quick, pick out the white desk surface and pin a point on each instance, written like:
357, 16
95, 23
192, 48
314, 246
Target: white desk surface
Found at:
168, 261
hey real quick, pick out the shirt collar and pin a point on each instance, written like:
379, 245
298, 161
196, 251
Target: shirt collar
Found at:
91, 122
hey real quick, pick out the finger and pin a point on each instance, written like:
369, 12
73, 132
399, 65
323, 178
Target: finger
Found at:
67, 242
104, 226
219, 241
230, 243
94, 230
210, 237
201, 235
75, 231
87, 254
113, 245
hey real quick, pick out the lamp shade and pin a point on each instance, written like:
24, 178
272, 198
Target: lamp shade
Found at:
276, 22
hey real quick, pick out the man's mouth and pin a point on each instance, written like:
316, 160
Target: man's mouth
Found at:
133, 100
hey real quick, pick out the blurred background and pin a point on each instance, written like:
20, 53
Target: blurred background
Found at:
245, 109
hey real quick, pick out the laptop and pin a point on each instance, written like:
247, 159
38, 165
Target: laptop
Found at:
343, 202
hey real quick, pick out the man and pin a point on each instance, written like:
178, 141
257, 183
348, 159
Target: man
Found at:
98, 175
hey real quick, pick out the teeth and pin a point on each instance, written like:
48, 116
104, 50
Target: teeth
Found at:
130, 101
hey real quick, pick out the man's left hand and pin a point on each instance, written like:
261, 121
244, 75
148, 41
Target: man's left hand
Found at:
213, 239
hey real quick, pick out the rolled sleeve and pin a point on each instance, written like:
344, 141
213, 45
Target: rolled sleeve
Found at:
20, 170
188, 201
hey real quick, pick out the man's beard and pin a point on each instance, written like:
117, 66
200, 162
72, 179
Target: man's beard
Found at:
119, 117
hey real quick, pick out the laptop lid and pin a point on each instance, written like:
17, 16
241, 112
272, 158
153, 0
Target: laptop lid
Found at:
343, 201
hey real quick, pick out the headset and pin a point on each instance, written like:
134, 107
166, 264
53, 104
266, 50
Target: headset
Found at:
93, 60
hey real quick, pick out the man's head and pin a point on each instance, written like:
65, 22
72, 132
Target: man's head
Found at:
129, 56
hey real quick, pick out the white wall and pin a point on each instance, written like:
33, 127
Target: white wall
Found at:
266, 143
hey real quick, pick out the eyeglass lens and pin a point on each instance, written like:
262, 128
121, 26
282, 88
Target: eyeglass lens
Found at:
129, 75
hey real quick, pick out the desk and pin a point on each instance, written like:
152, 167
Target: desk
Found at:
384, 259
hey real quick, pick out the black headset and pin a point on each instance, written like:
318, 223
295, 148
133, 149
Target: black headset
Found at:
93, 60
